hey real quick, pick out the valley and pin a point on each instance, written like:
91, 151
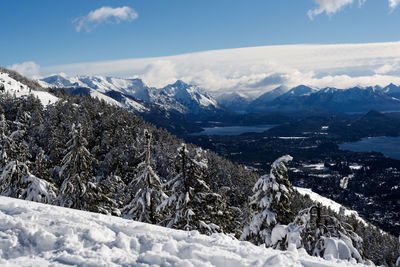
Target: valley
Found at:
364, 181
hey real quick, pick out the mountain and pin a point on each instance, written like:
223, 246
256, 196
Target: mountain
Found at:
193, 98
303, 98
261, 102
235, 101
354, 99
289, 101
179, 97
392, 90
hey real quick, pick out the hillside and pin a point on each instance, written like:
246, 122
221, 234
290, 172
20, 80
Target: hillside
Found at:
34, 234
15, 84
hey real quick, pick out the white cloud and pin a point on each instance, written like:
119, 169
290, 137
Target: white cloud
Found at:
393, 3
329, 7
390, 68
159, 72
105, 15
29, 69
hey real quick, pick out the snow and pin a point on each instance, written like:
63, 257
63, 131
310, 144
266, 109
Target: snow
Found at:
19, 89
345, 181
355, 166
328, 202
33, 234
317, 166
107, 99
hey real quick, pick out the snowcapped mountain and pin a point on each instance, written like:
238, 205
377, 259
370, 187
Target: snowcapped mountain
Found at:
234, 101
34, 234
392, 90
185, 99
191, 97
351, 100
260, 102
14, 84
356, 99
179, 97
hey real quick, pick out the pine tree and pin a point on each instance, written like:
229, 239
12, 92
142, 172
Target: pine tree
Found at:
79, 189
191, 202
149, 193
269, 203
4, 140
15, 161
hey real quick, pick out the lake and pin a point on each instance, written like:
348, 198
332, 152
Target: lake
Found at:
234, 130
389, 146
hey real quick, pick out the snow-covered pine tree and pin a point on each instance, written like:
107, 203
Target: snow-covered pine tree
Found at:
269, 203
4, 140
149, 193
40, 167
38, 190
191, 203
79, 189
320, 235
16, 179
75, 171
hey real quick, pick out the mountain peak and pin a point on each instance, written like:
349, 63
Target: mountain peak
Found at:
180, 84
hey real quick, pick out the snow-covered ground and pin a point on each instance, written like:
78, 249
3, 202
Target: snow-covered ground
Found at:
33, 234
19, 89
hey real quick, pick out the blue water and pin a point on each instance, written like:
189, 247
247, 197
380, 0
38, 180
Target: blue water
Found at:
389, 146
234, 130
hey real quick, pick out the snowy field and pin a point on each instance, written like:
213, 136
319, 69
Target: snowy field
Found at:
33, 234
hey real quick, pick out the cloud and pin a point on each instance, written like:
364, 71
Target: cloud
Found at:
393, 3
254, 70
390, 68
29, 69
159, 72
330, 7
105, 15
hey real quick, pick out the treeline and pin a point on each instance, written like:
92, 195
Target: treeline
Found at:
85, 154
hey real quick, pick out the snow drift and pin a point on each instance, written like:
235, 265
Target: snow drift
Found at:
33, 234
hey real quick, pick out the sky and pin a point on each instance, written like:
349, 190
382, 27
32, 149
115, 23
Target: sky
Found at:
46, 36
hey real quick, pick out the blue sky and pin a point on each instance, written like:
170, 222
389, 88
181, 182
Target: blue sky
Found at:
45, 31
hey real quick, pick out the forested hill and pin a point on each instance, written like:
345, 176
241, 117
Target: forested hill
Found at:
83, 153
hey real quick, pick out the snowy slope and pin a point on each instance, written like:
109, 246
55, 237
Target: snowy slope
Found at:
33, 234
328, 202
12, 87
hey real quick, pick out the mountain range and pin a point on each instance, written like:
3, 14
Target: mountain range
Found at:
191, 101
137, 96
